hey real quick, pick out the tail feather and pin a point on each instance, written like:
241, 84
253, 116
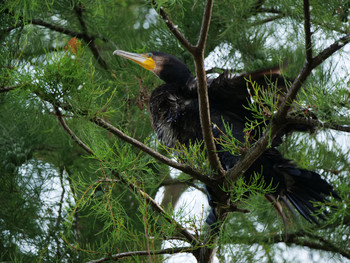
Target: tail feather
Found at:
302, 209
308, 187
302, 188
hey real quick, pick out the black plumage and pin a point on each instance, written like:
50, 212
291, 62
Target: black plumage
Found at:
175, 114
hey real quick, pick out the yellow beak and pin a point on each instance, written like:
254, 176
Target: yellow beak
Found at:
144, 60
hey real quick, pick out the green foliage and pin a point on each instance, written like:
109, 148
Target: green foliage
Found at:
60, 204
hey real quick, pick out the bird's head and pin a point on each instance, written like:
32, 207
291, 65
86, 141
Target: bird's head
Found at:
165, 66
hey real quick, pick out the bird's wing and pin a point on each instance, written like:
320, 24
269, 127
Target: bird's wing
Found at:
228, 86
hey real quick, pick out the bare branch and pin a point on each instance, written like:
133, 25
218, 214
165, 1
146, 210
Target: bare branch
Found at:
71, 133
205, 25
316, 123
8, 88
204, 108
198, 56
326, 53
143, 253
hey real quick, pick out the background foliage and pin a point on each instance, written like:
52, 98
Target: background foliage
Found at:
59, 203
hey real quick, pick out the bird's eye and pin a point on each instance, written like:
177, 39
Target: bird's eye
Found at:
149, 55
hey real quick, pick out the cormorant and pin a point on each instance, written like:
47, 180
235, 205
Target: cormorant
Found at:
175, 114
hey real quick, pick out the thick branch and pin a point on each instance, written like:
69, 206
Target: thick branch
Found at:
326, 53
143, 253
198, 56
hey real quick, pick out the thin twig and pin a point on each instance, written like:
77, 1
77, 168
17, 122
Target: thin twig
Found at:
90, 40
71, 133
307, 30
59, 216
173, 28
143, 253
202, 40
267, 20
157, 207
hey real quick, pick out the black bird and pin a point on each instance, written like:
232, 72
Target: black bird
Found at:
175, 114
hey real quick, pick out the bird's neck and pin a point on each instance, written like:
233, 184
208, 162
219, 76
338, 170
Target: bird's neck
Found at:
176, 75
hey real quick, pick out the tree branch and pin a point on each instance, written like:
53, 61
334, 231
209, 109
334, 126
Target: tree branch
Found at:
307, 29
190, 183
173, 28
184, 168
116, 257
8, 88
191, 239
253, 153
88, 39
326, 53
198, 57
202, 90
320, 243
316, 123
202, 40
109, 127
71, 133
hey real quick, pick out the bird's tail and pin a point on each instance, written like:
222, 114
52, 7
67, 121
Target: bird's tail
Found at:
304, 189
293, 186
306, 192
